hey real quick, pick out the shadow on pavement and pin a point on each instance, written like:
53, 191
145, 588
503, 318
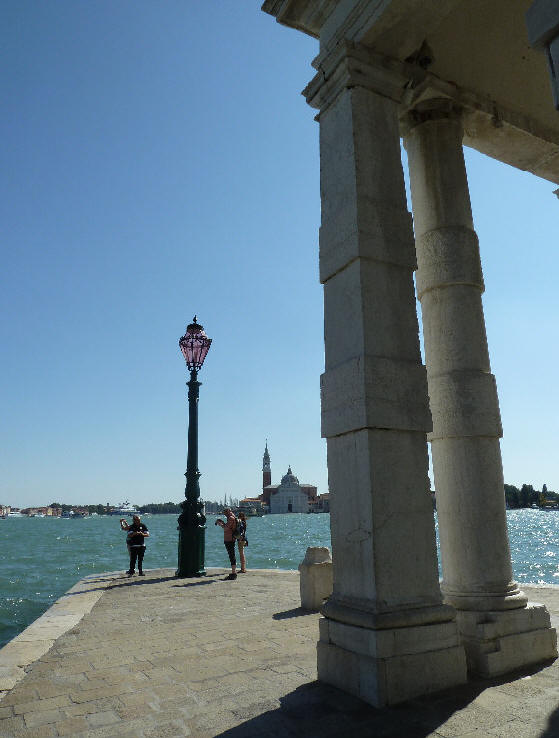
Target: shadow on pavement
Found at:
197, 583
296, 612
317, 710
123, 581
552, 729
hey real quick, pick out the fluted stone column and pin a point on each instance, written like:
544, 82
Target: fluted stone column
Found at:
500, 630
385, 635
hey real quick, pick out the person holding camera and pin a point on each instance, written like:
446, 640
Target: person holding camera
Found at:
136, 543
229, 527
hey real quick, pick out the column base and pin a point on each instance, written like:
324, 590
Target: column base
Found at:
384, 667
497, 642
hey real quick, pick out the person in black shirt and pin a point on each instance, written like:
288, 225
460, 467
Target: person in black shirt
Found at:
136, 542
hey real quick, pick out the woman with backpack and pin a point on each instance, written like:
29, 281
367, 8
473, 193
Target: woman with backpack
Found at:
242, 540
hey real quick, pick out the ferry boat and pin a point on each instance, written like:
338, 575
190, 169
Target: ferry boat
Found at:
251, 511
125, 509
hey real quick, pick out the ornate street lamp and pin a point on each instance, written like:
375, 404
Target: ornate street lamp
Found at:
192, 521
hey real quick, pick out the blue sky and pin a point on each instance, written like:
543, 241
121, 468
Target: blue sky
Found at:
158, 162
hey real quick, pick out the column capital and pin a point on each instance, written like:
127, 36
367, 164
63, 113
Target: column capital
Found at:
353, 65
436, 108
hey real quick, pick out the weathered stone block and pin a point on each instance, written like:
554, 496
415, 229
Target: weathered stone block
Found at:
369, 308
390, 680
464, 403
499, 642
379, 498
367, 229
316, 577
448, 256
454, 330
374, 392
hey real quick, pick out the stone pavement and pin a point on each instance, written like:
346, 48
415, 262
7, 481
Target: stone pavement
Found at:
160, 657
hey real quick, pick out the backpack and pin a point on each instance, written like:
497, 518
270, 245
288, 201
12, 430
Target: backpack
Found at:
238, 532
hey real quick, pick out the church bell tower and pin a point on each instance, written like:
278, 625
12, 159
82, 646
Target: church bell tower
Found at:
266, 469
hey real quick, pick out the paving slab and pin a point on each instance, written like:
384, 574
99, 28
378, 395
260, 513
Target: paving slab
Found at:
161, 657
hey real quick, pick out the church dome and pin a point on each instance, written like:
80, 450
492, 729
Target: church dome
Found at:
289, 479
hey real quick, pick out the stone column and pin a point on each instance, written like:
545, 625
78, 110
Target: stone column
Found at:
385, 635
500, 631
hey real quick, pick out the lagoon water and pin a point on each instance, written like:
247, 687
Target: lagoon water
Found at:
41, 558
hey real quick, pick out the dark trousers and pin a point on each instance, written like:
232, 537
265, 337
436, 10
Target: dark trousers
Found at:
136, 552
230, 546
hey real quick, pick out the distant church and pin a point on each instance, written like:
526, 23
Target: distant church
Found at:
289, 496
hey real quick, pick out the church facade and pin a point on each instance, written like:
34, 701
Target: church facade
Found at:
290, 495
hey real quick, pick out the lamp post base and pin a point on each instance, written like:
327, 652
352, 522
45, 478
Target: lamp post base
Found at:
192, 548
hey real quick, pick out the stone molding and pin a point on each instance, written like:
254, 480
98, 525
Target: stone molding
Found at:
434, 108
351, 65
360, 613
300, 14
510, 597
486, 125
382, 643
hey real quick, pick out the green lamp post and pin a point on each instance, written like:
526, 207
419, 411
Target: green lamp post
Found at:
192, 521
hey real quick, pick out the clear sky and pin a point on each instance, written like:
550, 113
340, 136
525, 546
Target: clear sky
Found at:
158, 161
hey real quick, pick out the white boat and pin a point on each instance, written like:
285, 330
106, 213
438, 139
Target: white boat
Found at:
125, 509
15, 515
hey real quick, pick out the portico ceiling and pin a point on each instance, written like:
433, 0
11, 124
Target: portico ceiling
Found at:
473, 51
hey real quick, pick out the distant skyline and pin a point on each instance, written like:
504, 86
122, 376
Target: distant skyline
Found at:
159, 162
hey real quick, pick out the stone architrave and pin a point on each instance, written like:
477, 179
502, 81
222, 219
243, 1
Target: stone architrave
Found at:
385, 635
500, 631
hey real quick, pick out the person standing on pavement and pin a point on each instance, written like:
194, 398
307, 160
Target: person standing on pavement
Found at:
229, 527
136, 542
242, 541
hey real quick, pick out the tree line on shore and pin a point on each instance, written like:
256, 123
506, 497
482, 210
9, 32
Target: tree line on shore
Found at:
161, 508
527, 496
515, 498
155, 508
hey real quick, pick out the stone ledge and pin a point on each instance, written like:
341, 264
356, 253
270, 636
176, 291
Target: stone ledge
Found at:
62, 616
39, 637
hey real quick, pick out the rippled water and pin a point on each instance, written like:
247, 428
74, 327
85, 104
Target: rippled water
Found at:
41, 558
534, 543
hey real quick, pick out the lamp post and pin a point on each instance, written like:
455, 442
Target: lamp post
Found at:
192, 521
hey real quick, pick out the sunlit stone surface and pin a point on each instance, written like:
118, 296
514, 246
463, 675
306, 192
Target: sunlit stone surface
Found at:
385, 635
